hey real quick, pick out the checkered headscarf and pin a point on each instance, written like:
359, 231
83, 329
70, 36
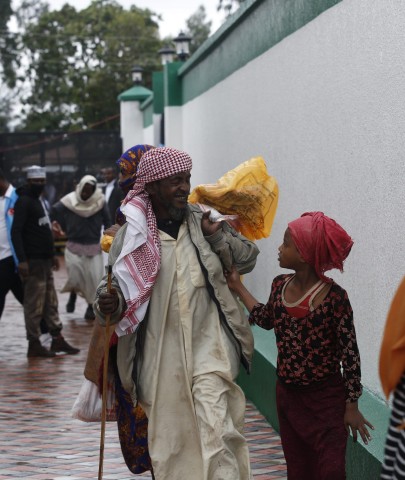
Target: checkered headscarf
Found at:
156, 164
139, 262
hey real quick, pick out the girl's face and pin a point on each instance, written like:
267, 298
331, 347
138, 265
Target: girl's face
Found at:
288, 255
125, 181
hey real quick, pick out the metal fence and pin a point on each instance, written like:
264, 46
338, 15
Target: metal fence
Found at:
66, 156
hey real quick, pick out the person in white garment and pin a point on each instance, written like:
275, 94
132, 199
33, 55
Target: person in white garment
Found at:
82, 214
181, 332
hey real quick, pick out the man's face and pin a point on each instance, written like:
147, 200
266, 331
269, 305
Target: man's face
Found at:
108, 174
169, 196
37, 185
87, 191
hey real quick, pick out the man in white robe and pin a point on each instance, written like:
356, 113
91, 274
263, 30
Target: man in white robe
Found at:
181, 332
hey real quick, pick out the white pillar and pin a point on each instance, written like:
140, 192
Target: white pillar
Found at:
131, 117
131, 124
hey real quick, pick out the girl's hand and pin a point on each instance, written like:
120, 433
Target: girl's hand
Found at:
232, 279
355, 421
235, 284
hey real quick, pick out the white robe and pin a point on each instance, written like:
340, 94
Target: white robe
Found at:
84, 274
187, 389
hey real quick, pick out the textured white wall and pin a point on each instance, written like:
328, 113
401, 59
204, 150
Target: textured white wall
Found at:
173, 127
325, 108
131, 120
148, 135
157, 119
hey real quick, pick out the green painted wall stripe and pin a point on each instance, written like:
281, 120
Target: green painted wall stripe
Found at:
146, 103
362, 461
158, 100
147, 110
136, 93
172, 84
256, 27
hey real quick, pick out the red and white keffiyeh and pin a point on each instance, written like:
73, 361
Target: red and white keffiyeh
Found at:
138, 264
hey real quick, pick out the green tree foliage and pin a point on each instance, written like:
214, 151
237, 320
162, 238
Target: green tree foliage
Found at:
7, 45
228, 6
5, 107
77, 62
7, 64
198, 28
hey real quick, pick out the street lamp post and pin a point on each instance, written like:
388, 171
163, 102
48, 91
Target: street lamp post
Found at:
182, 42
137, 74
166, 54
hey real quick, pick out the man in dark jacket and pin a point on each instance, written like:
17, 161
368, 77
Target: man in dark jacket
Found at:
112, 191
32, 238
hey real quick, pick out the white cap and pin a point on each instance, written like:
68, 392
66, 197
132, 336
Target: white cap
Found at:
36, 172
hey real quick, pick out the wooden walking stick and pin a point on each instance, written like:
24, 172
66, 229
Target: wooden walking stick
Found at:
105, 372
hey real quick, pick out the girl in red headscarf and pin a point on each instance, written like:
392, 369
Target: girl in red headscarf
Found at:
316, 341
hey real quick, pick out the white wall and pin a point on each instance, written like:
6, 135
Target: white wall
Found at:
157, 120
149, 135
173, 127
131, 120
325, 108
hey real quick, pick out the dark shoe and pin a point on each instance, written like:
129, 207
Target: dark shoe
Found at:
70, 306
59, 344
36, 349
89, 315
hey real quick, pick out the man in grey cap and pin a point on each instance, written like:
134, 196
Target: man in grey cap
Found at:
32, 238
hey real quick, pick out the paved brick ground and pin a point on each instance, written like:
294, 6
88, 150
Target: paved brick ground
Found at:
38, 438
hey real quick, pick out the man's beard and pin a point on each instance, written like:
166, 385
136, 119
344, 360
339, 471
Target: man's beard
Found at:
176, 213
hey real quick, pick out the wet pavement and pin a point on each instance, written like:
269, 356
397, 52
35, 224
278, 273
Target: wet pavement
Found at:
39, 439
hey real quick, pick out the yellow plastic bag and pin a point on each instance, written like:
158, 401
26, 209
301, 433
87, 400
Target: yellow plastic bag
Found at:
247, 191
106, 242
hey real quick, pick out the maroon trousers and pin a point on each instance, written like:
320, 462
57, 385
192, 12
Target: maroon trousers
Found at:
312, 429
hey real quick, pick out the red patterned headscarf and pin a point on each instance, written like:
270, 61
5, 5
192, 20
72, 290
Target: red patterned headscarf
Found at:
321, 242
139, 262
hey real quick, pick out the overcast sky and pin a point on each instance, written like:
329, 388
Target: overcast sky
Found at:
174, 12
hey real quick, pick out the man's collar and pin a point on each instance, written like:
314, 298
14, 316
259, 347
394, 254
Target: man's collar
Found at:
9, 191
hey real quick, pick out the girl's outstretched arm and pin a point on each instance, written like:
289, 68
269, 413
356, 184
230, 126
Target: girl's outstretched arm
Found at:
235, 284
